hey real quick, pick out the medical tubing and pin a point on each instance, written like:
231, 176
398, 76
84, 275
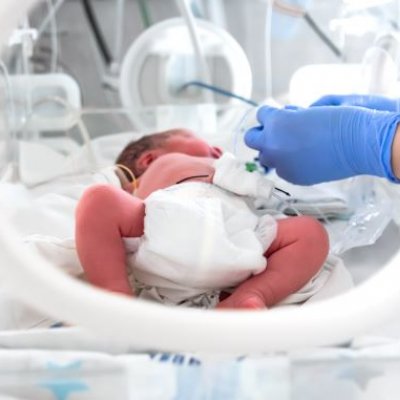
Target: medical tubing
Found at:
288, 9
104, 50
268, 49
239, 129
54, 40
144, 13
289, 205
76, 113
216, 13
49, 17
119, 27
296, 11
317, 30
26, 43
189, 19
284, 201
218, 90
11, 120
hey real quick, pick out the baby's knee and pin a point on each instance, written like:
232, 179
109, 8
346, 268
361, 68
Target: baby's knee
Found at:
314, 236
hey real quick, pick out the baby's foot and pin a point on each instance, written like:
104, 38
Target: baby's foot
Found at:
249, 302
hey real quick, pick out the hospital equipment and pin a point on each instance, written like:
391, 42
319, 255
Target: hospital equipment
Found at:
59, 107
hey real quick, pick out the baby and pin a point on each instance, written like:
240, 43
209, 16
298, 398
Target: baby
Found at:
188, 234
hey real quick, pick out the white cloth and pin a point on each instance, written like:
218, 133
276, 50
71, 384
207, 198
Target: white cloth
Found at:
231, 174
199, 238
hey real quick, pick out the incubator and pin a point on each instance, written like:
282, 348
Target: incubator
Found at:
81, 79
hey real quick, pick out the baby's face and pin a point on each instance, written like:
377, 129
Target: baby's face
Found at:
185, 141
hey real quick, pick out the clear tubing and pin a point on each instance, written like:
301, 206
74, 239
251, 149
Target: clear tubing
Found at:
50, 16
54, 39
119, 29
10, 121
186, 13
247, 121
76, 114
216, 12
289, 9
26, 69
268, 49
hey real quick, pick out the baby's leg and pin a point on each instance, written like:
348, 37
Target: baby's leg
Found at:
294, 257
104, 216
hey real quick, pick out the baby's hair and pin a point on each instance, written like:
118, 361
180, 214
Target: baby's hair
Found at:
133, 150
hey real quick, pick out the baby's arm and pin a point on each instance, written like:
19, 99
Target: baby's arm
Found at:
105, 214
294, 257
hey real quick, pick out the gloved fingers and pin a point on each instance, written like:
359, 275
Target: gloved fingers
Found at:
264, 113
328, 100
266, 161
292, 107
254, 138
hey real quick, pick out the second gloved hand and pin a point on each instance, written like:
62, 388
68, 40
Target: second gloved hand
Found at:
359, 100
318, 144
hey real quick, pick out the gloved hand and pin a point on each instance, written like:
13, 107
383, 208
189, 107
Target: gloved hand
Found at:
373, 102
318, 144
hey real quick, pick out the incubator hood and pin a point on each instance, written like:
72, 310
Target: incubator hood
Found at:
148, 326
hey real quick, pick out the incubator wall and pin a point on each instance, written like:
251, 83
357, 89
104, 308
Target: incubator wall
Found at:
62, 118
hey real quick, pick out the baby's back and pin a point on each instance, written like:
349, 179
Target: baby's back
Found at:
173, 168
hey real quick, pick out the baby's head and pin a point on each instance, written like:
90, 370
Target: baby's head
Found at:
138, 155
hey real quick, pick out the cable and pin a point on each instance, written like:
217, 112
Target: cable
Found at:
49, 17
217, 90
12, 147
144, 13
299, 12
54, 40
119, 28
75, 113
288, 9
322, 35
104, 50
195, 38
268, 49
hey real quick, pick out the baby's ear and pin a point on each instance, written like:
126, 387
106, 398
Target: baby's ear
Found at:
145, 159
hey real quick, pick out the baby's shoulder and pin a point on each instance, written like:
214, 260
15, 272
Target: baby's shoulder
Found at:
176, 162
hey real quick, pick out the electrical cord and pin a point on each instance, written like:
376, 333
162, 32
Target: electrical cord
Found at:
51, 14
10, 121
299, 12
318, 31
194, 34
144, 13
217, 90
104, 50
53, 36
268, 48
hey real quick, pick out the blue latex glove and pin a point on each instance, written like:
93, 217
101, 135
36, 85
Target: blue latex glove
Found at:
373, 102
319, 144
